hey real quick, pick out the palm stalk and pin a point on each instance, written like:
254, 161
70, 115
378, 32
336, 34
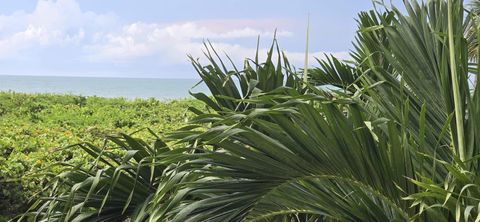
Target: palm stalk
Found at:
477, 31
305, 66
455, 85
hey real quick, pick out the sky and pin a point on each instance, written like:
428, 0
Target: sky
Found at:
152, 38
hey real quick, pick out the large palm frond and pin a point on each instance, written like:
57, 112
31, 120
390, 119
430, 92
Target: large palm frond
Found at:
314, 158
120, 184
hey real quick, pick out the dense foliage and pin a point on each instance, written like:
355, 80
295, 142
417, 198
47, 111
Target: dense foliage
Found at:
34, 128
392, 135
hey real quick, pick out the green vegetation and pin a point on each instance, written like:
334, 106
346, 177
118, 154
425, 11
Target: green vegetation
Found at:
393, 135
34, 128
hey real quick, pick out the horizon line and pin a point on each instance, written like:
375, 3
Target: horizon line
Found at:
79, 76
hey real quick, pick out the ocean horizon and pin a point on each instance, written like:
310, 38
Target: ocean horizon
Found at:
130, 88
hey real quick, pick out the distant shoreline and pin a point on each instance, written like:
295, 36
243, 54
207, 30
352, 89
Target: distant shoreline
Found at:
100, 77
130, 88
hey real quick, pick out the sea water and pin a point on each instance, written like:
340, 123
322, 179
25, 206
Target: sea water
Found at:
103, 86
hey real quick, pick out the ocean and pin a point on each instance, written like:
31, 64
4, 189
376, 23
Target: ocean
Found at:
130, 88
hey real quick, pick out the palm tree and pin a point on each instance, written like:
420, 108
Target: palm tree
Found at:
393, 135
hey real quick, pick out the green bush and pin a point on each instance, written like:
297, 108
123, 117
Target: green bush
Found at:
34, 128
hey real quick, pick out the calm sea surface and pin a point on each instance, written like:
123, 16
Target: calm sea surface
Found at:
105, 87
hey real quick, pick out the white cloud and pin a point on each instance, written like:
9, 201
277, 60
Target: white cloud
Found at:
102, 38
54, 23
171, 42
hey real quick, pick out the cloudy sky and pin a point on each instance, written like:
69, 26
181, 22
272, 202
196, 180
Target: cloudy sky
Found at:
151, 38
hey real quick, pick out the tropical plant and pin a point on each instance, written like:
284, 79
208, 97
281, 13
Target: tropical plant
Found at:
392, 135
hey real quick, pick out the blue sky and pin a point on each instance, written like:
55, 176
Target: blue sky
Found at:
151, 38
